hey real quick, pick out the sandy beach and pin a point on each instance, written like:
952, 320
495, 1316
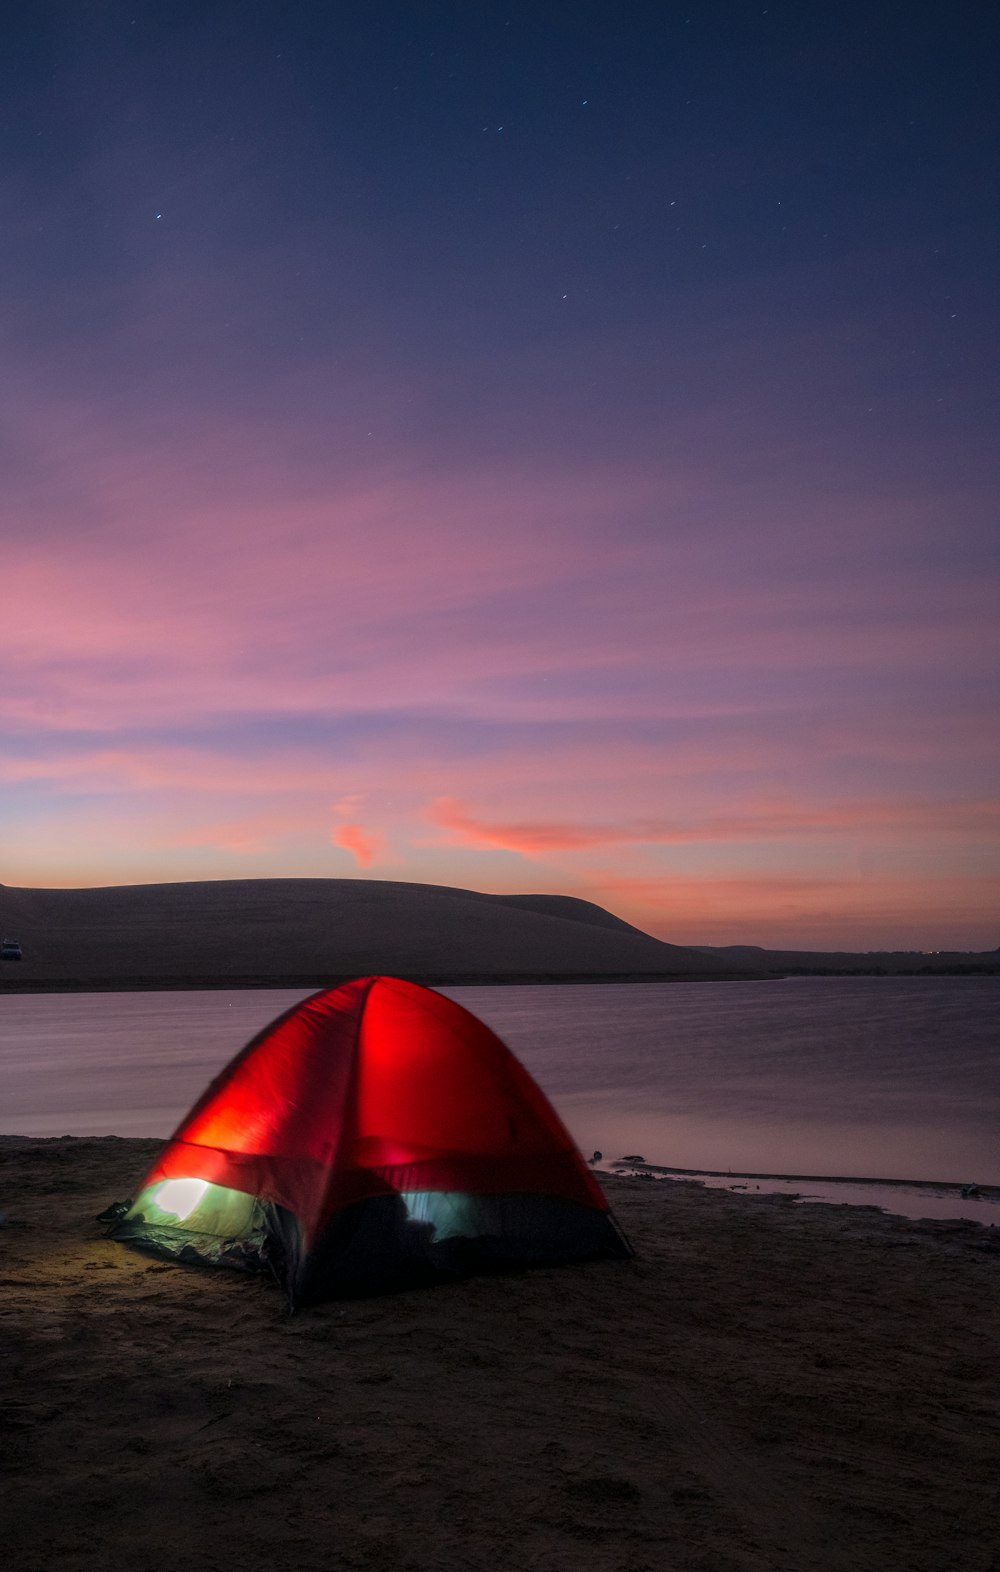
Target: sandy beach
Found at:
766, 1388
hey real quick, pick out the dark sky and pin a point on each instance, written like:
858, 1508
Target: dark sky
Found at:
519, 446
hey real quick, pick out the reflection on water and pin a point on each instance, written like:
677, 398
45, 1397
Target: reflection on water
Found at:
895, 1078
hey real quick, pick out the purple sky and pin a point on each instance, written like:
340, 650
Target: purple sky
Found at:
517, 447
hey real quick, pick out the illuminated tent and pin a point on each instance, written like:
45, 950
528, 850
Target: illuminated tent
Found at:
377, 1136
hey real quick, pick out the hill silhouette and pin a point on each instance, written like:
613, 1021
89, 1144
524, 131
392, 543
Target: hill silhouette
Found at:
259, 932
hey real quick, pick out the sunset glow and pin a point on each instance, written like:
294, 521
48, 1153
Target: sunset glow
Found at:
604, 506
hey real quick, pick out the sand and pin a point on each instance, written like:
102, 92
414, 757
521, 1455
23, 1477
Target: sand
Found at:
766, 1388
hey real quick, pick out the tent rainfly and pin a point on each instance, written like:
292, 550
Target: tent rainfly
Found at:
375, 1137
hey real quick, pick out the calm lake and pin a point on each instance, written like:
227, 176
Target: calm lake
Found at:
881, 1077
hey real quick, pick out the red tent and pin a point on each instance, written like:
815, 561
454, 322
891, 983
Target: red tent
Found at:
375, 1136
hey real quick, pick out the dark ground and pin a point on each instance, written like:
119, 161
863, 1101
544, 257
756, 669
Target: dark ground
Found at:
767, 1388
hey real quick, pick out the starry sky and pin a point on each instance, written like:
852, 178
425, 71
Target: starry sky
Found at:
518, 446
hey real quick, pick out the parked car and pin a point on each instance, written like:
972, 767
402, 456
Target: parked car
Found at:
10, 950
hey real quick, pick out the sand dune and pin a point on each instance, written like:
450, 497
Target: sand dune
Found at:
766, 1388
274, 930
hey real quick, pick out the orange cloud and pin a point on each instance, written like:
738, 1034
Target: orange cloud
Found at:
531, 840
364, 848
761, 821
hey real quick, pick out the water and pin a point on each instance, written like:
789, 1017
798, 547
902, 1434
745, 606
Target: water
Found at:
854, 1077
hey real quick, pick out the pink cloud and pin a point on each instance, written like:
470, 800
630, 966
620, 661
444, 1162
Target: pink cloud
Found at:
364, 848
145, 768
250, 588
346, 807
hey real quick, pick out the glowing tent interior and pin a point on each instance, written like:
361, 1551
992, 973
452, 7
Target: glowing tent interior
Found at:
376, 1136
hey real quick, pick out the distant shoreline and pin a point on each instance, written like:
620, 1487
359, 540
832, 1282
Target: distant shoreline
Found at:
619, 1166
333, 980
22, 985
